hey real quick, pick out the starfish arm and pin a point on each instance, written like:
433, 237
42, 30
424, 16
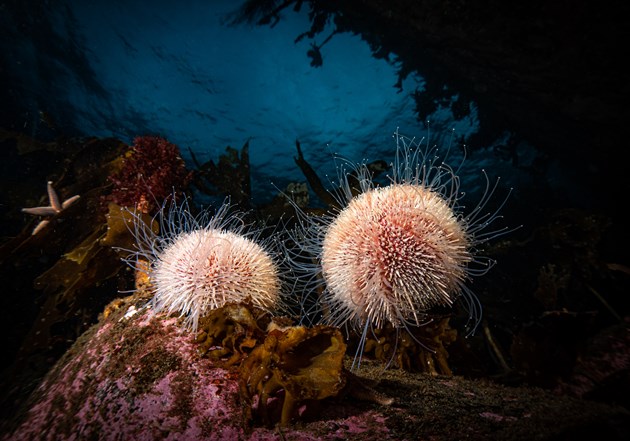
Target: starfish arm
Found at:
40, 226
54, 199
69, 201
40, 211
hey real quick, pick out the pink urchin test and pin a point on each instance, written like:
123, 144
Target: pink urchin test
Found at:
390, 253
199, 263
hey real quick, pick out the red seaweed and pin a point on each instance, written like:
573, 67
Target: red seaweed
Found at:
152, 170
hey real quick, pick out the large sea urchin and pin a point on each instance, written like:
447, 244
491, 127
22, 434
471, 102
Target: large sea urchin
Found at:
198, 263
392, 253
388, 254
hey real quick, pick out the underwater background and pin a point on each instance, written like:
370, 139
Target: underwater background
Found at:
246, 93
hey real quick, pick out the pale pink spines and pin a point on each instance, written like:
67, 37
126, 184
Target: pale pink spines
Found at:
387, 254
393, 253
206, 268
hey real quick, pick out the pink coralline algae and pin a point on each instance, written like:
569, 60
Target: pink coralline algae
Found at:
139, 376
150, 171
496, 417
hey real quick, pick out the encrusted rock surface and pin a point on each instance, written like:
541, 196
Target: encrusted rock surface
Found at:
139, 376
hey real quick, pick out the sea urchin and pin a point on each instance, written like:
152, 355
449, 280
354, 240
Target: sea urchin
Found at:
388, 254
199, 263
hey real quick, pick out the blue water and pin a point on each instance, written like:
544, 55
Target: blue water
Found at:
123, 69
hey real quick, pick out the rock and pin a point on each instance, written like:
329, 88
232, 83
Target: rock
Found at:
137, 375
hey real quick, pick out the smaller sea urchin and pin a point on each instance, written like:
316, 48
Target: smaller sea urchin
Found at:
198, 263
389, 254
